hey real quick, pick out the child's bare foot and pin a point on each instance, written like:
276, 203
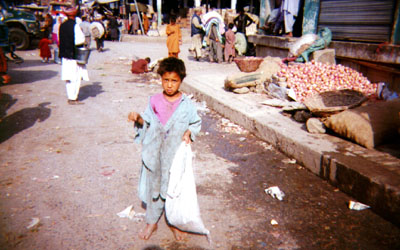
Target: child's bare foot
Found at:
146, 232
178, 234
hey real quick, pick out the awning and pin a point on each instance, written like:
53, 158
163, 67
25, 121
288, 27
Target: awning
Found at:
106, 1
141, 6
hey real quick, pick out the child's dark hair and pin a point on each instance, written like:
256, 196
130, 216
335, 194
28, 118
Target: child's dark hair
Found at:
172, 19
172, 64
45, 34
230, 25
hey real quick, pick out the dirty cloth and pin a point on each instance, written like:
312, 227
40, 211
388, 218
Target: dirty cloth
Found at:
174, 36
159, 144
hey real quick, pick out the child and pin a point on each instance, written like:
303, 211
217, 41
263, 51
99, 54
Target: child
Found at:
230, 44
45, 52
170, 118
174, 38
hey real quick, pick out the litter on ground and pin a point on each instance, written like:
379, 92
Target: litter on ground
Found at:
275, 192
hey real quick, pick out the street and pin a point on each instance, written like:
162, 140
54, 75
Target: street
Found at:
74, 167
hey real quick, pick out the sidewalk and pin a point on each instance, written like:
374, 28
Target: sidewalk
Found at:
370, 176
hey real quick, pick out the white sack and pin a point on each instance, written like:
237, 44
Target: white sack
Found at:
181, 206
79, 36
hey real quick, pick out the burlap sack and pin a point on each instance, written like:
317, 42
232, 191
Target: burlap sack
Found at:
369, 125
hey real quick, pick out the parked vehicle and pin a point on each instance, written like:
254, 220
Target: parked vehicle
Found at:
23, 26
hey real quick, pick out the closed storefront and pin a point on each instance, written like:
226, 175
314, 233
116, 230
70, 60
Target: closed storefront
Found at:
358, 20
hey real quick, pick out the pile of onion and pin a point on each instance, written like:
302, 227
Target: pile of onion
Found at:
315, 77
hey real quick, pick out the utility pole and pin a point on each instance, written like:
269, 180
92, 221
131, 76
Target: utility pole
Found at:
158, 13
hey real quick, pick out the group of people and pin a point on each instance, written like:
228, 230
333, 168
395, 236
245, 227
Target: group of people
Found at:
221, 46
92, 27
220, 40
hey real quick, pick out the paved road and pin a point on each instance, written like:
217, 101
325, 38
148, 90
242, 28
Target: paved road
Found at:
75, 167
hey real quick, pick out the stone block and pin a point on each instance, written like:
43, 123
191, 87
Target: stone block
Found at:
324, 56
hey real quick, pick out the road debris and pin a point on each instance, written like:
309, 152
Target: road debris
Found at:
108, 172
289, 161
34, 223
127, 213
230, 127
357, 205
275, 192
130, 213
274, 222
202, 107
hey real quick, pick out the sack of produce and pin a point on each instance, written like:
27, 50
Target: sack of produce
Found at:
369, 125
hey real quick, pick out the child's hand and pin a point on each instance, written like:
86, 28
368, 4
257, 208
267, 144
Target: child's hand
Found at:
135, 117
186, 137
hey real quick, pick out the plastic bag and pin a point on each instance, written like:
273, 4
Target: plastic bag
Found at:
303, 43
181, 206
79, 36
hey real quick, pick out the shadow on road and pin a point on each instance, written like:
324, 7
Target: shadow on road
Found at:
30, 63
6, 101
22, 76
90, 91
22, 119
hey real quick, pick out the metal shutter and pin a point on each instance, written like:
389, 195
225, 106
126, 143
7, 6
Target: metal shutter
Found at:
359, 20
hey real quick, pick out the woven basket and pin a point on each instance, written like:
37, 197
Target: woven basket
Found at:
248, 64
331, 102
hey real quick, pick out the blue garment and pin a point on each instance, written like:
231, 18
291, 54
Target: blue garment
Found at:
194, 29
159, 144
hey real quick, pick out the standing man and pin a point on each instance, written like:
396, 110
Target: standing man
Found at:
215, 45
290, 10
135, 23
71, 35
196, 33
242, 21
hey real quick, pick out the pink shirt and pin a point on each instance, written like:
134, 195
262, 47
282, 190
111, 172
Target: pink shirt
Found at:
162, 107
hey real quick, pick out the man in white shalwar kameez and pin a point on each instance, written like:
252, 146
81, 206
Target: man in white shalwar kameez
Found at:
71, 72
290, 10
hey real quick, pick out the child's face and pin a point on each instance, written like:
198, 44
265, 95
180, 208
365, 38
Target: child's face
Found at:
171, 83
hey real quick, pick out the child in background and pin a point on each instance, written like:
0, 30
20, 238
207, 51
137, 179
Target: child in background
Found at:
174, 38
229, 44
44, 47
169, 119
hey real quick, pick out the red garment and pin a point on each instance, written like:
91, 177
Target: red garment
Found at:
139, 66
229, 44
44, 48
